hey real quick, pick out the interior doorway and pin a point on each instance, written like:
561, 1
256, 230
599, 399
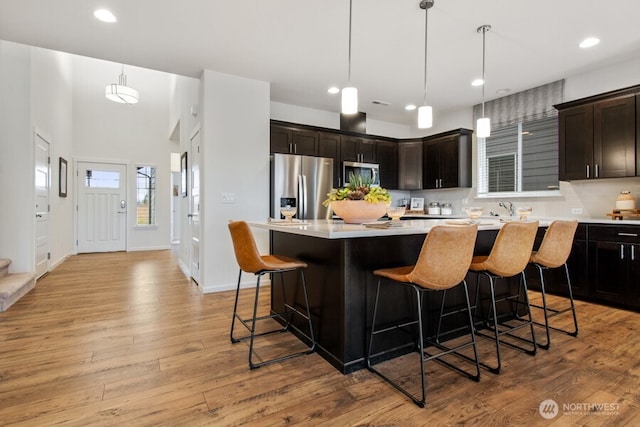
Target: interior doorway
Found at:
42, 186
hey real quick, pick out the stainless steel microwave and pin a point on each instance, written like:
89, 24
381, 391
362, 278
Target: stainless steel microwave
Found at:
369, 172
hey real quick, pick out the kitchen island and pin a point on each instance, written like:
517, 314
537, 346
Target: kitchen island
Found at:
341, 286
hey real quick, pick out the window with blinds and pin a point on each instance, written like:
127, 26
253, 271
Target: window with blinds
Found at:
519, 158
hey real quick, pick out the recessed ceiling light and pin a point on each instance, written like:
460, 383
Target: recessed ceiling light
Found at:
105, 16
477, 82
410, 107
333, 90
503, 91
589, 42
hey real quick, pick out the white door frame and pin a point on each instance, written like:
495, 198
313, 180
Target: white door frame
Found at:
78, 182
195, 226
42, 214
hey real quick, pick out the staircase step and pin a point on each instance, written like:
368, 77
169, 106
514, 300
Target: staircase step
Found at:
15, 286
4, 267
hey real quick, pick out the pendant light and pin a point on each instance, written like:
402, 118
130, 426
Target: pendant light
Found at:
120, 92
483, 127
425, 112
349, 93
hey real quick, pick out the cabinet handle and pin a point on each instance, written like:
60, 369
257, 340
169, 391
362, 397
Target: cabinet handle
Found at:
436, 182
628, 234
633, 253
588, 172
597, 171
621, 251
290, 147
295, 148
440, 182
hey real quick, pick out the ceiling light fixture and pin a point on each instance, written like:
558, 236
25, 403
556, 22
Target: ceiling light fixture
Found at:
120, 92
333, 90
349, 93
483, 127
105, 16
477, 82
425, 112
410, 107
589, 42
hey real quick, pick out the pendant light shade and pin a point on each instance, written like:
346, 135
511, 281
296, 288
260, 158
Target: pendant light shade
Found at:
425, 117
349, 93
120, 92
425, 113
349, 100
483, 126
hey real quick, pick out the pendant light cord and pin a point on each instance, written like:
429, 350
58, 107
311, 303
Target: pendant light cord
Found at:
426, 27
350, 13
484, 82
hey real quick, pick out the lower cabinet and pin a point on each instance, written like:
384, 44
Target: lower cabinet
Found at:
604, 266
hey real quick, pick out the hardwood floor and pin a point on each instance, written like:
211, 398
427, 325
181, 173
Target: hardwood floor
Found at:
126, 339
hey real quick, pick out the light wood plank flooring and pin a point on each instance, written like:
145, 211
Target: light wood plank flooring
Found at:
126, 339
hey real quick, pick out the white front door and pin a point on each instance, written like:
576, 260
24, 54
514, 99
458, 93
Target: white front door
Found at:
194, 205
102, 207
42, 170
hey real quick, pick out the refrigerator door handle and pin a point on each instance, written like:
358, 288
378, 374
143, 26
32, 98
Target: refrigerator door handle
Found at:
302, 196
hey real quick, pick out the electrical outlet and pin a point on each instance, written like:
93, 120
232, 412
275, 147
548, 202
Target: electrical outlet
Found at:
228, 197
576, 211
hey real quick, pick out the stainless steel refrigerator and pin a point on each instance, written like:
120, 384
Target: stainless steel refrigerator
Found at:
300, 181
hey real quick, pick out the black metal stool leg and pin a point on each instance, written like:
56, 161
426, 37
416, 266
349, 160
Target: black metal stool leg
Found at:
253, 325
235, 310
573, 307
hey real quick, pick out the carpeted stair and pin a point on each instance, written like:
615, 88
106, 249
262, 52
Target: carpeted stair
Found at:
13, 286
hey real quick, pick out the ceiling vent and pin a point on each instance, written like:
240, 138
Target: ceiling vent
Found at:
378, 102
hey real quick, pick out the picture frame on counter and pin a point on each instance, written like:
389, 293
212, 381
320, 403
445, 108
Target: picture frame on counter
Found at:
417, 203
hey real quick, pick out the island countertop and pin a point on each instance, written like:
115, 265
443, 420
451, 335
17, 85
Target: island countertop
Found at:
336, 229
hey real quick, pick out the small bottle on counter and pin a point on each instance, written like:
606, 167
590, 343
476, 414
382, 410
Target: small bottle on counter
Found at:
446, 209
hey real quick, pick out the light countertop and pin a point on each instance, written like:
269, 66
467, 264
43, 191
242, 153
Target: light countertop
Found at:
335, 229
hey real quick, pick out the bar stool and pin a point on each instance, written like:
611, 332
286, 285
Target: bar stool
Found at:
553, 253
442, 264
509, 257
250, 261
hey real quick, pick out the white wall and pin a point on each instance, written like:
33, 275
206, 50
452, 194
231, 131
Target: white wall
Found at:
137, 134
51, 112
17, 213
235, 159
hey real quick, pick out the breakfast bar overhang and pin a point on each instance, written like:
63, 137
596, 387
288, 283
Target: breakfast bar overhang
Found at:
341, 286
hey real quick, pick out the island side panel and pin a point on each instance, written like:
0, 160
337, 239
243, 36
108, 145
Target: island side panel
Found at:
325, 285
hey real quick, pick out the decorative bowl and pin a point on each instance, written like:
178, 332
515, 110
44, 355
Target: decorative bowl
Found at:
524, 212
474, 212
288, 212
358, 211
396, 212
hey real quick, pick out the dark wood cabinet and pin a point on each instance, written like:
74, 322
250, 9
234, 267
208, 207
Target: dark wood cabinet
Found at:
289, 140
614, 137
597, 136
357, 149
387, 155
329, 146
575, 157
410, 165
446, 160
614, 264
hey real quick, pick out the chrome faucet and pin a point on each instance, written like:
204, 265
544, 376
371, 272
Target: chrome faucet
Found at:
509, 207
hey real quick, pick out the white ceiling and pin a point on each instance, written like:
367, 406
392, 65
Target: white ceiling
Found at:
300, 46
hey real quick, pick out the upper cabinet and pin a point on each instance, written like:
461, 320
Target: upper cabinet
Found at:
410, 165
446, 160
290, 140
387, 155
357, 149
597, 136
329, 146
